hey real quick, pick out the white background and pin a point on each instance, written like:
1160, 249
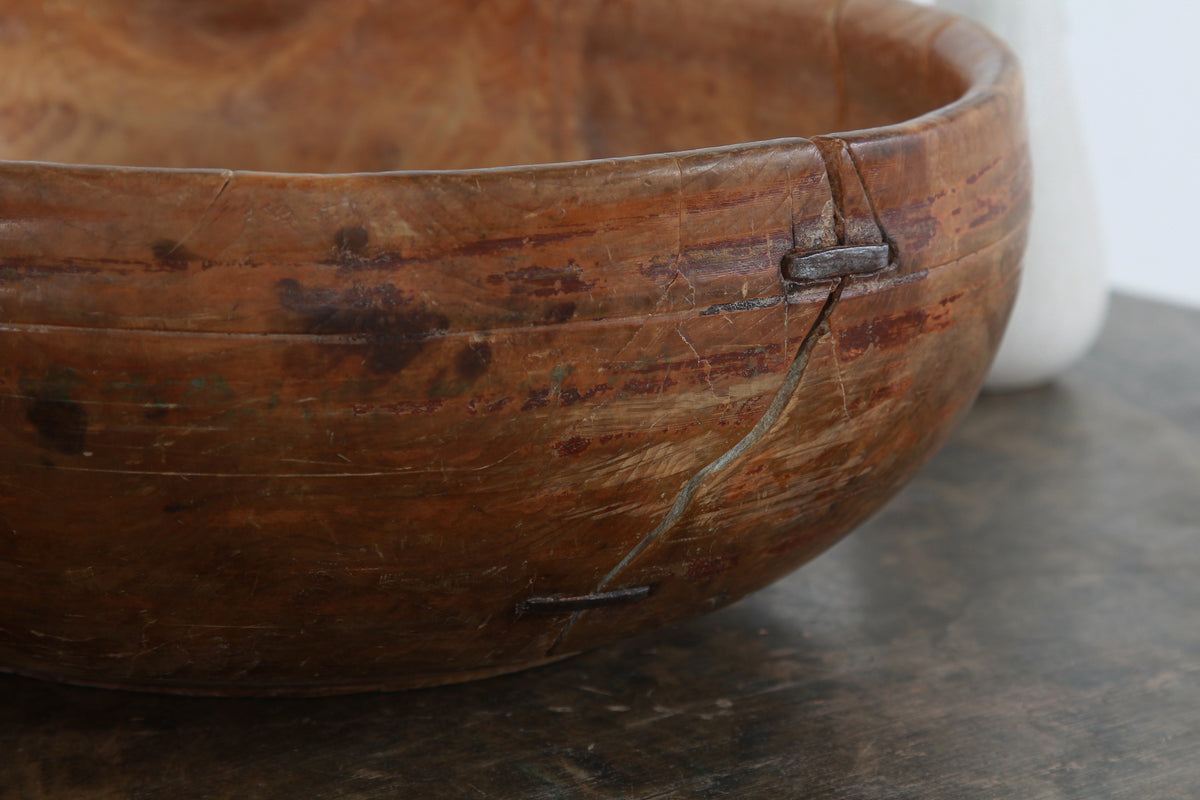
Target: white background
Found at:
1136, 71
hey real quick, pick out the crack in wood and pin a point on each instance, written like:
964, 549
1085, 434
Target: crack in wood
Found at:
766, 422
838, 264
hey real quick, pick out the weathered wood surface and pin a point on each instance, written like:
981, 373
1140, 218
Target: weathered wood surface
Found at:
278, 432
1020, 622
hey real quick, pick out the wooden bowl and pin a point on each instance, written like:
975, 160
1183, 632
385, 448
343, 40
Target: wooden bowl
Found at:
377, 409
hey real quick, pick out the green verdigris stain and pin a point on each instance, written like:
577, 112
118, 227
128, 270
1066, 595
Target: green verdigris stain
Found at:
447, 389
349, 390
56, 383
129, 382
209, 387
239, 414
559, 374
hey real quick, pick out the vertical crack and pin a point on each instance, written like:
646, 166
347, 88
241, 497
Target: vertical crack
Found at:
795, 373
766, 422
836, 190
228, 178
835, 176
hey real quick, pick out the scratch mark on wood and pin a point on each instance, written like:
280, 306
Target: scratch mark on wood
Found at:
228, 174
748, 304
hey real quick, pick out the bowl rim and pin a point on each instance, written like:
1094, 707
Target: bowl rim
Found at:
983, 60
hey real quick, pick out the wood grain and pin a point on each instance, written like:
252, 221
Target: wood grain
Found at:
1020, 621
264, 430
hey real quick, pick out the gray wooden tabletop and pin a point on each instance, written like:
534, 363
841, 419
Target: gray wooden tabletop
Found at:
1022, 621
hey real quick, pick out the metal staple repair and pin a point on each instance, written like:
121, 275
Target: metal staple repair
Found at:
837, 262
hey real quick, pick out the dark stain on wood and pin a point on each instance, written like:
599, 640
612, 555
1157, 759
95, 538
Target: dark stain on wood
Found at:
62, 425
400, 408
649, 387
538, 398
171, 255
473, 360
350, 240
544, 281
355, 309
559, 313
385, 320
660, 268
883, 333
350, 249
745, 363
573, 446
505, 244
989, 212
156, 411
476, 405
399, 340
570, 395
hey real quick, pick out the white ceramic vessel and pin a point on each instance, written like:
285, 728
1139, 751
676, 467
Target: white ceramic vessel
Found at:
1064, 291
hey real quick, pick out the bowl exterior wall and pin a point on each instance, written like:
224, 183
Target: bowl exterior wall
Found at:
304, 434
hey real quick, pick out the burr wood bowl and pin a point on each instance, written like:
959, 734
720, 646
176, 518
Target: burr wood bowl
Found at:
353, 345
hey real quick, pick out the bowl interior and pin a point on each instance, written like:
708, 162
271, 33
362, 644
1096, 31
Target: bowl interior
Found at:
337, 86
